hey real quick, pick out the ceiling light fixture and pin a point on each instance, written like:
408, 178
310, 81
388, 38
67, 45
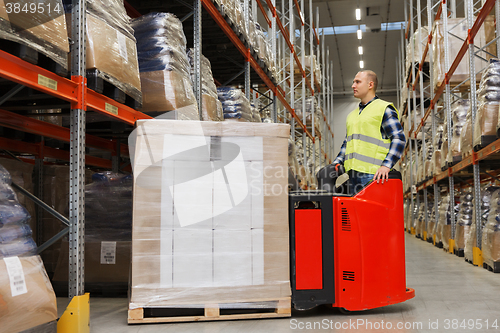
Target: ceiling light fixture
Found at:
360, 50
359, 34
358, 14
361, 64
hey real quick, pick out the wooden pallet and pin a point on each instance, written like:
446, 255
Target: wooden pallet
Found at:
208, 312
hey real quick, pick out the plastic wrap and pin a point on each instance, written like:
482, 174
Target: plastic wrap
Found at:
210, 214
27, 310
421, 36
443, 228
15, 232
466, 137
234, 104
111, 46
431, 224
437, 162
486, 122
489, 31
44, 31
108, 231
489, 203
464, 219
490, 244
210, 111
164, 66
459, 112
457, 27
420, 225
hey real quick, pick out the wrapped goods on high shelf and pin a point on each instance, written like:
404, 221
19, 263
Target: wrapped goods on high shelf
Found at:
111, 52
108, 235
28, 299
490, 243
235, 106
194, 239
437, 154
211, 108
255, 114
466, 136
490, 33
457, 29
308, 111
464, 219
419, 36
431, 224
486, 122
164, 67
489, 202
459, 110
293, 167
443, 228
43, 31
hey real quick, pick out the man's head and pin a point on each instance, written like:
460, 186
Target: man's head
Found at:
364, 85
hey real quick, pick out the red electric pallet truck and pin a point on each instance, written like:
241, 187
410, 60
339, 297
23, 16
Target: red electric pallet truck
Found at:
348, 251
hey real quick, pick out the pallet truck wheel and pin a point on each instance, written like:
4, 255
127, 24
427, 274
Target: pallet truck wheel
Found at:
344, 311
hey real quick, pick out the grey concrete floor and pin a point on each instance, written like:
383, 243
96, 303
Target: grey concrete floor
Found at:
451, 296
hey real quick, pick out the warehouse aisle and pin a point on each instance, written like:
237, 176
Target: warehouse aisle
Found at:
448, 290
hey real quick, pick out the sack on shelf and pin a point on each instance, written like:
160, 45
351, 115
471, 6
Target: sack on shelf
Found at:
235, 105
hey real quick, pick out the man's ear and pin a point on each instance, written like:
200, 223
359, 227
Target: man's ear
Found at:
371, 84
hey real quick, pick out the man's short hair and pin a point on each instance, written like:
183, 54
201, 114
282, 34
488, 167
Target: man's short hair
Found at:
372, 77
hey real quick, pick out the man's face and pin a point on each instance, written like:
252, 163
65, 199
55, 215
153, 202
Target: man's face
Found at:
361, 85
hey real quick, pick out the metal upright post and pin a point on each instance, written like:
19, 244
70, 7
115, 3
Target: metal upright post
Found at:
246, 17
291, 28
39, 194
422, 110
473, 105
303, 86
77, 154
449, 115
323, 102
197, 54
497, 20
434, 130
274, 111
311, 76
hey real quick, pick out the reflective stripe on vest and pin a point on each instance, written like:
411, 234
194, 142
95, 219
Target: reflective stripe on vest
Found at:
368, 139
364, 158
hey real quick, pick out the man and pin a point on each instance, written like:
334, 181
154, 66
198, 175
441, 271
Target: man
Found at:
374, 138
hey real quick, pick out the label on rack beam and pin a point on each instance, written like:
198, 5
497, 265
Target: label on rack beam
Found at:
16, 276
46, 82
111, 109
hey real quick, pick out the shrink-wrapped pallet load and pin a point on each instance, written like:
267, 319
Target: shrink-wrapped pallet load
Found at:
490, 244
43, 30
164, 66
235, 106
459, 110
211, 108
464, 220
210, 216
486, 122
489, 200
457, 32
27, 297
111, 46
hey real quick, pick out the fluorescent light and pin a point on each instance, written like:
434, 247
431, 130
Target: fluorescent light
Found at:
359, 34
351, 29
358, 14
361, 64
360, 49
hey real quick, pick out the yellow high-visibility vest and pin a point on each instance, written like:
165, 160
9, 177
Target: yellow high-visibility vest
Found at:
365, 148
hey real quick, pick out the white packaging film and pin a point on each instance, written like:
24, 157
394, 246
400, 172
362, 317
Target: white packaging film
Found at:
16, 276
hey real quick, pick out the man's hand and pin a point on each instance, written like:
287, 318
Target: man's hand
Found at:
382, 173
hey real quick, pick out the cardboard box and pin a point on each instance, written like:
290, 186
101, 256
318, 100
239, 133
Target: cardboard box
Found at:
166, 91
35, 307
112, 52
210, 219
97, 270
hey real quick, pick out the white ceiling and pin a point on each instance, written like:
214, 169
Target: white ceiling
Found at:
344, 47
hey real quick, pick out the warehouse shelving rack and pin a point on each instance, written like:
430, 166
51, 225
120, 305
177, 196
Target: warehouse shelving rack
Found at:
74, 94
436, 10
